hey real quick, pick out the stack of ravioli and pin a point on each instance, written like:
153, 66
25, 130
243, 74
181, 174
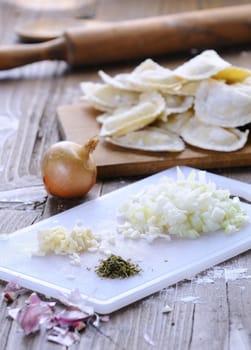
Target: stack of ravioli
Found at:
205, 102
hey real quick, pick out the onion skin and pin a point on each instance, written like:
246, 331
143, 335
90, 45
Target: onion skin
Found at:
68, 169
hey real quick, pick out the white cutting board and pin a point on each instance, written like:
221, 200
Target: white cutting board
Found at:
163, 263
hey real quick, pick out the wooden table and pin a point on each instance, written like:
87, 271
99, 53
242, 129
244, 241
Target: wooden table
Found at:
30, 96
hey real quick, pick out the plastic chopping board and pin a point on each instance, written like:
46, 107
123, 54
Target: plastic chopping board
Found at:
163, 262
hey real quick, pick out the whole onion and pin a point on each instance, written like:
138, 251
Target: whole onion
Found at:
68, 169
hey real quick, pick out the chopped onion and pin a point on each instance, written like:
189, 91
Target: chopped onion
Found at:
186, 207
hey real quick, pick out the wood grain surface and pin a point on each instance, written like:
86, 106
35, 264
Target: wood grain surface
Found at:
219, 318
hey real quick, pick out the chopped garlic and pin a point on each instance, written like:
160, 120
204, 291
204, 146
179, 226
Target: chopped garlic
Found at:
75, 259
59, 240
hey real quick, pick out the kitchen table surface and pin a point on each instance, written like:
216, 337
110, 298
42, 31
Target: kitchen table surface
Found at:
210, 311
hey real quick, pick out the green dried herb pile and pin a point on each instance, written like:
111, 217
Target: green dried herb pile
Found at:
116, 267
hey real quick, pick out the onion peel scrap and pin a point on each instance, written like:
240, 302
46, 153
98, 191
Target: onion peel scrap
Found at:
62, 327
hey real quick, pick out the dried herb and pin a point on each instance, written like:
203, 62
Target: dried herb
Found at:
116, 267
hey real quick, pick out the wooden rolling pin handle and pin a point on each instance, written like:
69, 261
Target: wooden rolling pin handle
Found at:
18, 55
219, 27
141, 38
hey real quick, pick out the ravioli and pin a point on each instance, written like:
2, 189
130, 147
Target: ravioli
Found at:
149, 139
212, 137
177, 104
120, 81
175, 122
217, 103
202, 103
187, 88
105, 98
151, 76
202, 66
150, 106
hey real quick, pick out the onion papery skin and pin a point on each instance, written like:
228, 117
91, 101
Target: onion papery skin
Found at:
68, 169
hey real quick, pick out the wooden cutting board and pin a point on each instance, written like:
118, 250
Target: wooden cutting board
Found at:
78, 123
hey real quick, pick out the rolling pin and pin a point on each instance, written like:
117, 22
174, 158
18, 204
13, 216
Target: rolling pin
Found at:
138, 38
